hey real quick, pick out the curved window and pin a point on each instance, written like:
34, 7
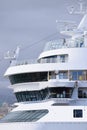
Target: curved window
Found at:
54, 59
28, 77
49, 59
24, 116
62, 58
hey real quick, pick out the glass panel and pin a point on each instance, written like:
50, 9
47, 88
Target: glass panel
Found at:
52, 75
60, 92
62, 58
24, 116
50, 59
77, 113
82, 92
31, 95
28, 77
77, 75
63, 75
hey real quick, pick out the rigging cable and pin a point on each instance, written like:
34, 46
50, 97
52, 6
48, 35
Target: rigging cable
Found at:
44, 39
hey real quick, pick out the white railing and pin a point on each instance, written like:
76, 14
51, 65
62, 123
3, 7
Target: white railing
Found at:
25, 62
64, 43
62, 100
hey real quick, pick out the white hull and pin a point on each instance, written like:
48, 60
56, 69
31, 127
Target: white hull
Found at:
45, 126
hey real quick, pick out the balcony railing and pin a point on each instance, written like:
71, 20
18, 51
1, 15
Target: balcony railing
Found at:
64, 43
25, 62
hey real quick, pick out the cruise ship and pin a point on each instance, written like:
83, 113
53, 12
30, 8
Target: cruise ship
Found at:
52, 92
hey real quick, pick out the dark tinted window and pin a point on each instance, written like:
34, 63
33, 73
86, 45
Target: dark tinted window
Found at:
50, 59
28, 77
77, 113
31, 95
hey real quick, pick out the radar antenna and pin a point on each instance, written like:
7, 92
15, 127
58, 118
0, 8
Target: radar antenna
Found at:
82, 9
65, 27
70, 28
12, 56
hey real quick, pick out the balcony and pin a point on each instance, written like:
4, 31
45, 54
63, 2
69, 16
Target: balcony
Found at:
60, 83
62, 101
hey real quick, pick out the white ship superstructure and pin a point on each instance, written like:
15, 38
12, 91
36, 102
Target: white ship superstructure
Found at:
51, 93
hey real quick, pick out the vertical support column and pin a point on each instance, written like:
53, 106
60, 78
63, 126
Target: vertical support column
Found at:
75, 91
48, 77
85, 38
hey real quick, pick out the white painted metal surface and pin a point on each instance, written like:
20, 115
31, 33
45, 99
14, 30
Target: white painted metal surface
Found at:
60, 114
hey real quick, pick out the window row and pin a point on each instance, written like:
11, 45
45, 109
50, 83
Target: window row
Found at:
60, 92
45, 76
28, 77
70, 74
54, 59
31, 95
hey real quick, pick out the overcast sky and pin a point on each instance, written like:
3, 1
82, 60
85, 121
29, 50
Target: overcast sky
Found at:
24, 22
